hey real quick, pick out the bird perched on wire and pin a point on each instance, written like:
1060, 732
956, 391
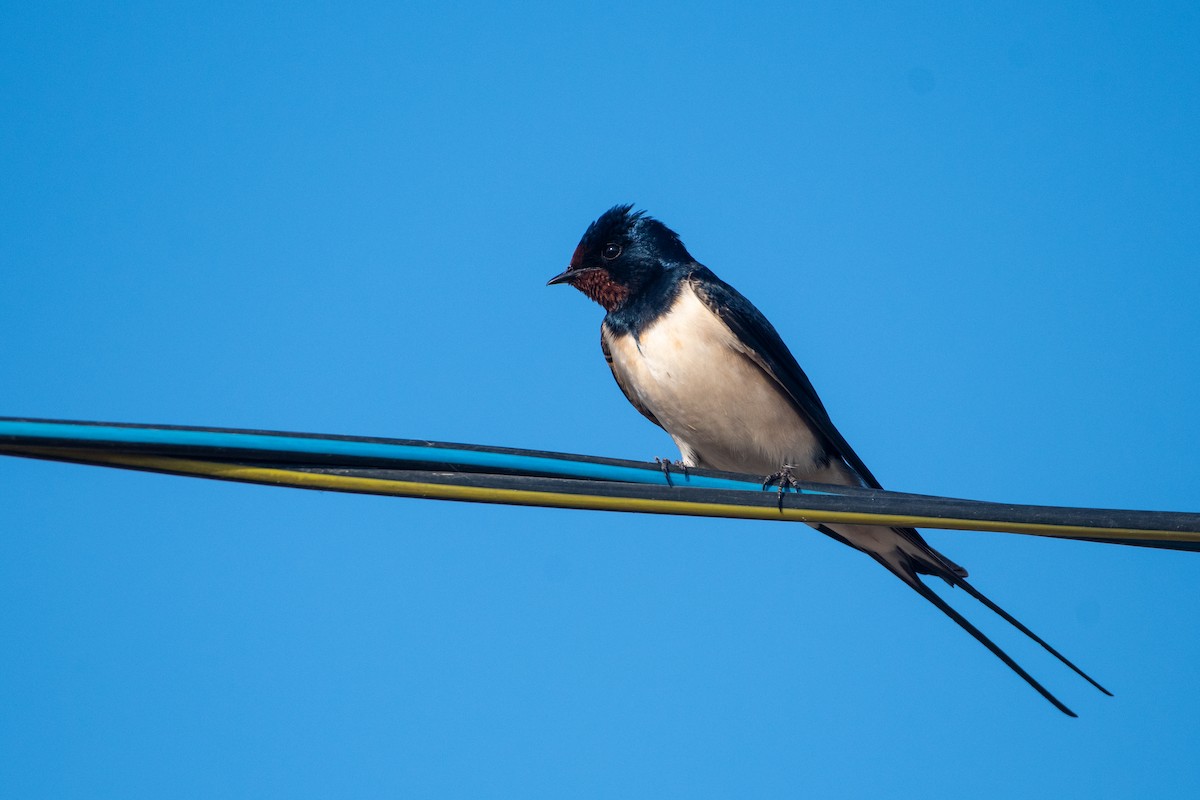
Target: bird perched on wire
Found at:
699, 360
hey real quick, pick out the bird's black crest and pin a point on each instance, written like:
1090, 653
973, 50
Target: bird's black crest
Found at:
615, 222
622, 224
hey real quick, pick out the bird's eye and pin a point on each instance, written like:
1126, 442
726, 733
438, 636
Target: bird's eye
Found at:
611, 251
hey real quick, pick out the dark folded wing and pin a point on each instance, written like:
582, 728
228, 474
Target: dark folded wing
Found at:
765, 347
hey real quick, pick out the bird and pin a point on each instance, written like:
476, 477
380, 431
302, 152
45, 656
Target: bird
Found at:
699, 360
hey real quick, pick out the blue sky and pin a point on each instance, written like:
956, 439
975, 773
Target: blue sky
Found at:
975, 226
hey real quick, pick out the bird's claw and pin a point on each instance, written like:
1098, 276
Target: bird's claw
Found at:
785, 480
665, 464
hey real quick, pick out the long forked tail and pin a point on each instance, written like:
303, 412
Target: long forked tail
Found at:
1016, 623
926, 559
920, 588
905, 565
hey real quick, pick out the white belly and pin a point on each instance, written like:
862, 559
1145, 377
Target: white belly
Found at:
720, 407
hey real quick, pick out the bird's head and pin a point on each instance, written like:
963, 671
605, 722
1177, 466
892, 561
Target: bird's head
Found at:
621, 253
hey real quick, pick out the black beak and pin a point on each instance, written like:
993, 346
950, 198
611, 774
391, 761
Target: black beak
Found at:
570, 275
562, 277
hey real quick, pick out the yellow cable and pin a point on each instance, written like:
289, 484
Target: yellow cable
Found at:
525, 497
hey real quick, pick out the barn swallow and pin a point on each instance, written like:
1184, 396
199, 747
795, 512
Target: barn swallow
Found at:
697, 359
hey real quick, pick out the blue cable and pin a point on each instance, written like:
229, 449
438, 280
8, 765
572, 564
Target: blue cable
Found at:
37, 429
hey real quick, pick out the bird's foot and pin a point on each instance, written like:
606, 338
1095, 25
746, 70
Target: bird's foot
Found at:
666, 464
785, 480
